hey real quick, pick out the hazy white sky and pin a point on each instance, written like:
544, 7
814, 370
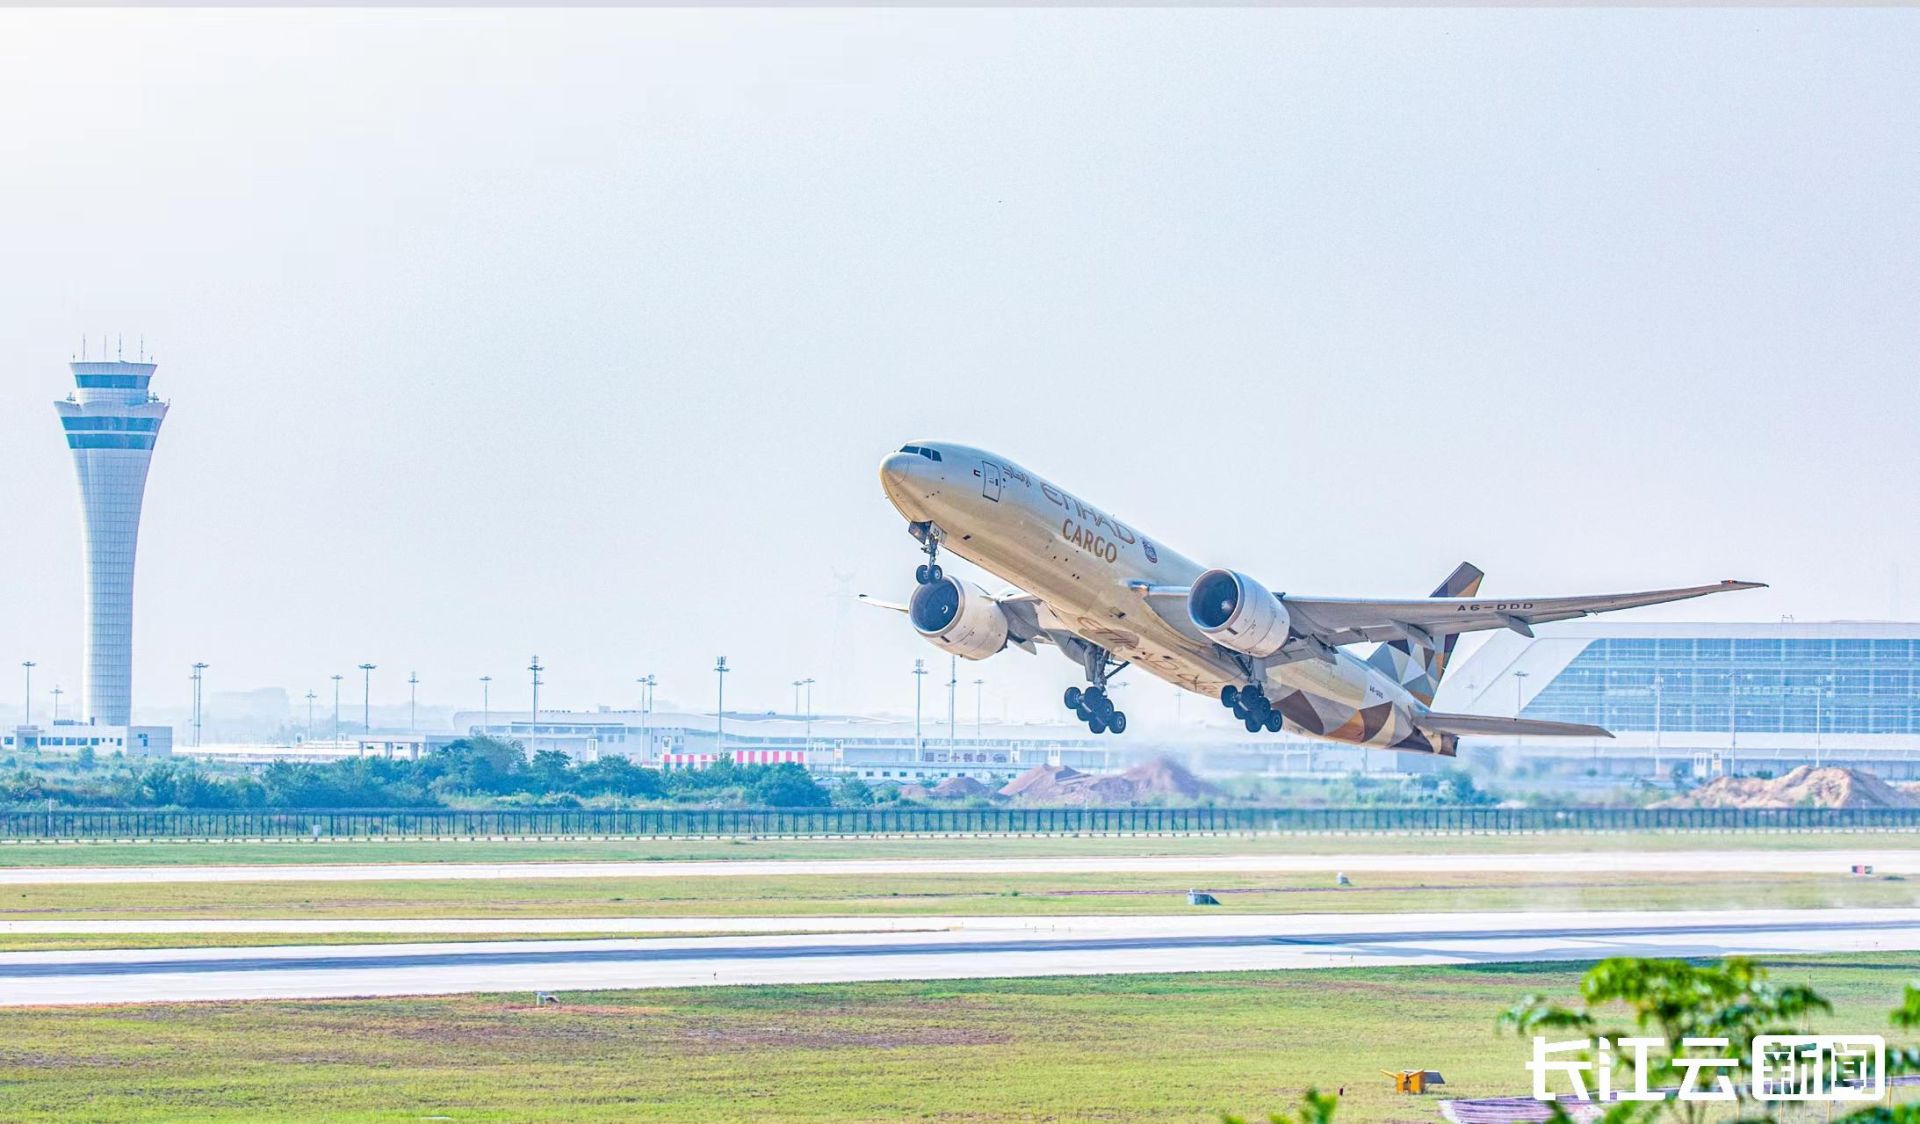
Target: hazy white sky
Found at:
582, 332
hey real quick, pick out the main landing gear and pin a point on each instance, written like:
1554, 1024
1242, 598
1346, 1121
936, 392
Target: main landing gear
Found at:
1093, 705
929, 571
1096, 710
1252, 707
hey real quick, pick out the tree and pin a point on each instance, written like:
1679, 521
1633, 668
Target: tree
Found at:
617, 776
481, 764
853, 793
552, 770
788, 786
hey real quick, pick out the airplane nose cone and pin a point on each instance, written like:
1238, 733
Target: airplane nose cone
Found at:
898, 471
906, 480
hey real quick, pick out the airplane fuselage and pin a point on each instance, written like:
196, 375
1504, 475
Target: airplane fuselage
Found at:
1091, 572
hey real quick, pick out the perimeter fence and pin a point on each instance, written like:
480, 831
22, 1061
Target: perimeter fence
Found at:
72, 824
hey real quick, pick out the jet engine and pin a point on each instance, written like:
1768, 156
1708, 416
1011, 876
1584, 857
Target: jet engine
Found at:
1236, 612
960, 617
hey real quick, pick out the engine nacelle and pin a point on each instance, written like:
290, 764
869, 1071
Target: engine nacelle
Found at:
1236, 612
960, 617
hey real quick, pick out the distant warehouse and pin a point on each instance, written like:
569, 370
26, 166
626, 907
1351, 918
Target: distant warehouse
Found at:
1712, 697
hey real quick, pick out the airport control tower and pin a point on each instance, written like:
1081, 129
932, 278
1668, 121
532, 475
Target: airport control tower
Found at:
111, 421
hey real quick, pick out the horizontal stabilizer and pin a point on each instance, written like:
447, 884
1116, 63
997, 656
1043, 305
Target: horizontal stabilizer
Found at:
1482, 726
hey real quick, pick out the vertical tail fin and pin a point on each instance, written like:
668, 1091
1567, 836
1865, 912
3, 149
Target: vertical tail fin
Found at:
1415, 666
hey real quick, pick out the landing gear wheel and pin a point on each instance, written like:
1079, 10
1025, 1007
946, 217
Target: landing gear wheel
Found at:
1117, 722
1255, 704
929, 535
1253, 724
1275, 722
1096, 725
1103, 706
1230, 696
1073, 697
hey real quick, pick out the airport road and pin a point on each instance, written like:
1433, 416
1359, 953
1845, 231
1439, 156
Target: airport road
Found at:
973, 948
1782, 862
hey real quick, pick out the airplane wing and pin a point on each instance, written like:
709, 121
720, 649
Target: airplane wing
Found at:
1342, 620
1477, 726
1023, 613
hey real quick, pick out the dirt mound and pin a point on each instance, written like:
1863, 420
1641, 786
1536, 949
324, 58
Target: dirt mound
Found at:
914, 792
1165, 777
1152, 780
1042, 783
1804, 787
960, 788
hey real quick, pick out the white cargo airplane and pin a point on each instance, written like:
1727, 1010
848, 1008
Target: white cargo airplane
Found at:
1110, 598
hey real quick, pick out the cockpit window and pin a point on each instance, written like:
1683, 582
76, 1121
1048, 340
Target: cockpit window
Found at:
930, 454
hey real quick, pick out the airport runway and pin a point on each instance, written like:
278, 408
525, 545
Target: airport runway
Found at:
972, 948
1784, 862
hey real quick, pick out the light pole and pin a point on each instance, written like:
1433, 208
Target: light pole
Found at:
919, 681
808, 684
977, 685
337, 677
1519, 684
198, 670
26, 712
486, 705
720, 670
366, 698
56, 704
310, 697
532, 727
953, 692
413, 697
646, 693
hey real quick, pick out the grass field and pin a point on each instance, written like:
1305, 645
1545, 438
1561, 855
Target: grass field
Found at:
34, 942
1109, 1049
172, 853
958, 894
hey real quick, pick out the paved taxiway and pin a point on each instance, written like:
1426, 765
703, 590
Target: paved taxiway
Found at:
1782, 862
970, 948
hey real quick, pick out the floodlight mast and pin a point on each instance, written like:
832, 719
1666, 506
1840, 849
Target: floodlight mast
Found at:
919, 681
366, 698
720, 670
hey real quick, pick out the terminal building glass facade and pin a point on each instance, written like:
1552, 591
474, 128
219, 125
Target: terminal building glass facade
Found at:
1758, 684
1744, 696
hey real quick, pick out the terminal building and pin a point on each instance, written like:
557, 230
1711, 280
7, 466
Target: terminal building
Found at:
1716, 698
876, 749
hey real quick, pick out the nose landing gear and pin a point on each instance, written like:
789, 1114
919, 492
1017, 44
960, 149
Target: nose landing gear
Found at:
929, 571
1252, 707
